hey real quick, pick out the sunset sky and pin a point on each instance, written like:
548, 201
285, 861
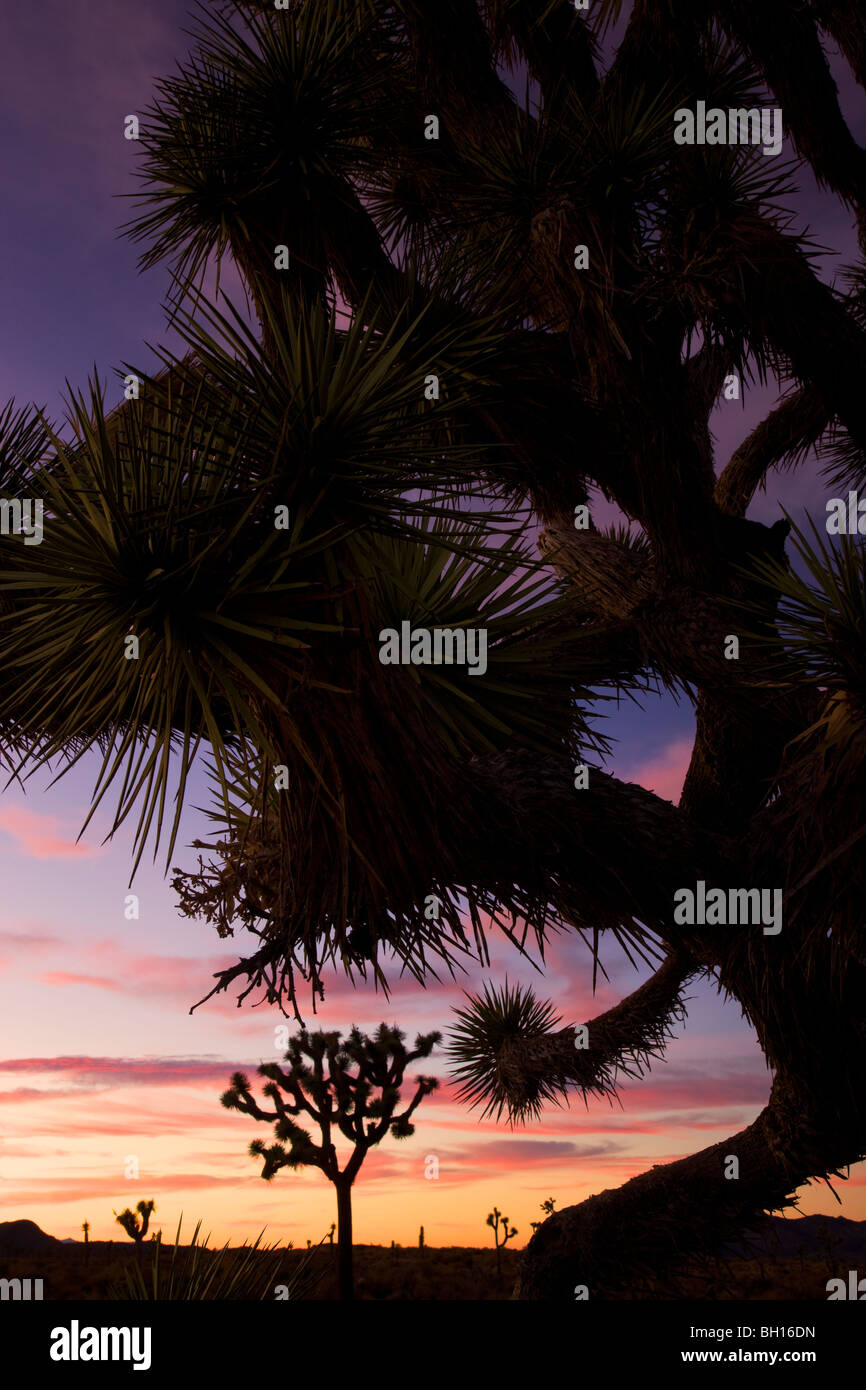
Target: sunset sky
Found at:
100, 1059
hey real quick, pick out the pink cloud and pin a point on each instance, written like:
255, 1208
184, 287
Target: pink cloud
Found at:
22, 1094
150, 1071
39, 835
28, 941
150, 1126
66, 977
664, 773
187, 981
23, 943
45, 1190
190, 978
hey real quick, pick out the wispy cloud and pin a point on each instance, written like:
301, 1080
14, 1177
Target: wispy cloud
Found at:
61, 978
180, 980
125, 1071
543, 1150
42, 1190
28, 941
23, 1094
40, 835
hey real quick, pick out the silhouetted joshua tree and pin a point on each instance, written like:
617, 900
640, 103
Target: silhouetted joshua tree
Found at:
499, 1225
550, 297
348, 1085
548, 1206
129, 1221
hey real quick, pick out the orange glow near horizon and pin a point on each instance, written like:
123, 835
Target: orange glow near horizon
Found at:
198, 1167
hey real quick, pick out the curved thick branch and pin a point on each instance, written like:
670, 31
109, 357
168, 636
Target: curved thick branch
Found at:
558, 46
610, 576
783, 40
846, 22
789, 431
460, 76
681, 630
783, 302
610, 856
624, 1039
628, 1240
623, 1241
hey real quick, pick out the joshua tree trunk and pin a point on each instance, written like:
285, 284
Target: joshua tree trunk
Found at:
345, 1272
622, 1241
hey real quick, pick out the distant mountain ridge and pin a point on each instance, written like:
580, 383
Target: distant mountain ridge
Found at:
25, 1238
816, 1237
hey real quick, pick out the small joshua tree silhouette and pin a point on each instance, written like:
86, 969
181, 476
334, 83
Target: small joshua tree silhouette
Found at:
129, 1221
333, 1080
548, 1206
499, 1222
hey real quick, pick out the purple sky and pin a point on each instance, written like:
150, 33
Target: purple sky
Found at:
78, 982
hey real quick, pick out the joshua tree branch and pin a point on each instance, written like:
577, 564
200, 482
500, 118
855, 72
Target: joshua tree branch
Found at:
680, 630
622, 1240
459, 78
558, 46
422, 1091
784, 42
623, 1039
794, 427
706, 372
846, 23
781, 300
602, 857
609, 576
292, 1086
659, 1218
250, 1106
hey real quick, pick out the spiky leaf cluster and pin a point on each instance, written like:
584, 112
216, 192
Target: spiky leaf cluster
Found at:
500, 1015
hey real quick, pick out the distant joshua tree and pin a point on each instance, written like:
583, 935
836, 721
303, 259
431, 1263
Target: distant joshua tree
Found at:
548, 1206
129, 1221
333, 1080
498, 1222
